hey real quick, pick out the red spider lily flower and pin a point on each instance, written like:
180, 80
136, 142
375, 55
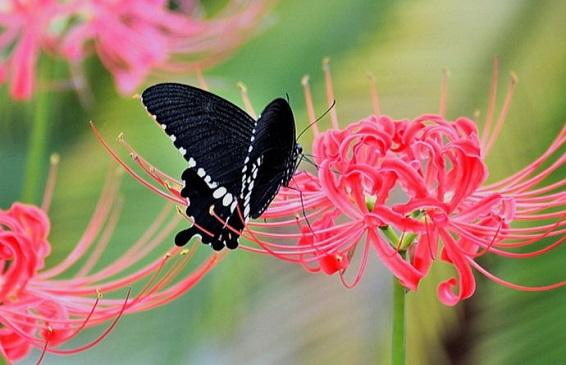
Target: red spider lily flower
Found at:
45, 307
413, 191
24, 31
131, 38
134, 38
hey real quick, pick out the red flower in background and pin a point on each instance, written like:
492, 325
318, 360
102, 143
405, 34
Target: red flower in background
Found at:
45, 307
411, 190
24, 32
131, 38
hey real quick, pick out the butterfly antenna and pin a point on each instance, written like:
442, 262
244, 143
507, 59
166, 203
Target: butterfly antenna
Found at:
288, 99
317, 119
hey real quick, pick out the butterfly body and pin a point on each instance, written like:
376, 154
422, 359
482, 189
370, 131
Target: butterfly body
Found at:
236, 164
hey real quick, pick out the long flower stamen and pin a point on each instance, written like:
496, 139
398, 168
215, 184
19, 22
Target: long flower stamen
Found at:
102, 336
502, 114
374, 94
246, 99
508, 284
102, 242
491, 103
107, 198
443, 93
311, 114
51, 181
131, 172
330, 99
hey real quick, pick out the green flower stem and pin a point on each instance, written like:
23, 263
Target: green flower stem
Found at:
401, 244
398, 333
390, 234
37, 146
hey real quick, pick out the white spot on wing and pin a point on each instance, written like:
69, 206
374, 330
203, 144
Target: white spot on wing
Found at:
201, 172
183, 152
192, 162
219, 193
227, 200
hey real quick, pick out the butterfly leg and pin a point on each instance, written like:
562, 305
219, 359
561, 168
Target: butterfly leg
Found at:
302, 206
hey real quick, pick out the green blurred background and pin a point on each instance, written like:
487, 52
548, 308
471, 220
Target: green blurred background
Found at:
257, 310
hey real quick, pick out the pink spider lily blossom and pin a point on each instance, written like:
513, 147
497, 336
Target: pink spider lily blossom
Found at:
43, 307
131, 38
24, 32
135, 38
413, 191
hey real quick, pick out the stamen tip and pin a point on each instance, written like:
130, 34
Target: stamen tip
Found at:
54, 158
476, 114
514, 77
305, 80
242, 86
136, 96
184, 252
326, 63
99, 293
120, 137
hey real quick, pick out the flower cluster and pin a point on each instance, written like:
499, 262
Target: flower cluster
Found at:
413, 191
45, 307
131, 38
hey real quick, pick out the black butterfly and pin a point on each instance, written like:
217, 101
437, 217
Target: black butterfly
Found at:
236, 164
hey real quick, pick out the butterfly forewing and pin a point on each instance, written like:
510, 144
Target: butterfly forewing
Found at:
209, 131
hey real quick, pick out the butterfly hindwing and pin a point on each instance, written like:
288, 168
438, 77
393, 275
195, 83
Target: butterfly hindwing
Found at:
206, 212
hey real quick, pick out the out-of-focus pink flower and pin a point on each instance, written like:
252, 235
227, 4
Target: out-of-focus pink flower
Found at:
24, 32
45, 307
414, 192
134, 38
131, 38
